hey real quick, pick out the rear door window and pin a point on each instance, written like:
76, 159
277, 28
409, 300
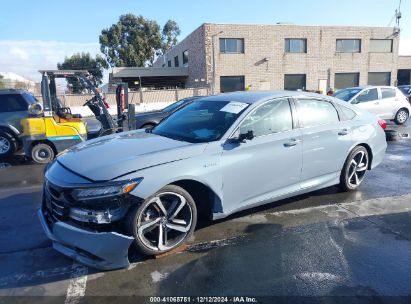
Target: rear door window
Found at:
387, 93
314, 112
12, 103
347, 113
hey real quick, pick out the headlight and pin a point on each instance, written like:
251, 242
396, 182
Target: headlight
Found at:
108, 190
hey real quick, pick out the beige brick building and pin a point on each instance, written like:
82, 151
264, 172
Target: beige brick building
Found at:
227, 57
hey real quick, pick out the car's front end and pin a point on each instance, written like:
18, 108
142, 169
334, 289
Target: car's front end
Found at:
85, 220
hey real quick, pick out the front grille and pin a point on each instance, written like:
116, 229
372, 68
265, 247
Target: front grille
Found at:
56, 202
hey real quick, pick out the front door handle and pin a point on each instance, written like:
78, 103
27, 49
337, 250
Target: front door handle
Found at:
293, 142
377, 103
343, 132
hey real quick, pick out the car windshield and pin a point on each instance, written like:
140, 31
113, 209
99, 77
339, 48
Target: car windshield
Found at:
405, 90
346, 94
31, 98
175, 105
201, 121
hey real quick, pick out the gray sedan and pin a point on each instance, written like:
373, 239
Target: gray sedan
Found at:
216, 156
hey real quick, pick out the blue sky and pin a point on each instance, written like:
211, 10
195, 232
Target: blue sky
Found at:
34, 33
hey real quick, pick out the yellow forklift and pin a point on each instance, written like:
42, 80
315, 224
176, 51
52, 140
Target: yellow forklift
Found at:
52, 128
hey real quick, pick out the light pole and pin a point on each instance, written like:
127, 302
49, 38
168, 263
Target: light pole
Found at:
213, 55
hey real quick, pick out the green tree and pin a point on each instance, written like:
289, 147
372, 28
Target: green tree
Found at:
136, 41
84, 61
170, 32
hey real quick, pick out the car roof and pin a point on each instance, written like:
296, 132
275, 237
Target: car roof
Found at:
11, 91
368, 87
251, 97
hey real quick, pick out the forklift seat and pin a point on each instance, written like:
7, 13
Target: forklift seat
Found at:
67, 118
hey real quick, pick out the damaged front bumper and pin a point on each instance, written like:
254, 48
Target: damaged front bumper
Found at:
101, 250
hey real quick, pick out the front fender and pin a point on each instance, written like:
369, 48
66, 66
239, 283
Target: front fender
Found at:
203, 169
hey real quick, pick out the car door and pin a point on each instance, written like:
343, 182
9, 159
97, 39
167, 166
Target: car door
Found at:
326, 141
389, 102
267, 166
368, 100
13, 108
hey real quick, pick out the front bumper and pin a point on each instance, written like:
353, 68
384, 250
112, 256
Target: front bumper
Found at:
101, 250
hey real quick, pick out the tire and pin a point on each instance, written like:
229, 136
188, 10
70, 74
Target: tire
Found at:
355, 169
8, 144
401, 117
42, 153
154, 226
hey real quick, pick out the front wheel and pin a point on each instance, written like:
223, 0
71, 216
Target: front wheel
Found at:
8, 144
401, 117
42, 153
354, 169
164, 221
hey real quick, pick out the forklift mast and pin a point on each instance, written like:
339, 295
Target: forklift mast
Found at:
125, 110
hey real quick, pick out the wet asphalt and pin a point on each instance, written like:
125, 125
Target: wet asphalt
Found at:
316, 246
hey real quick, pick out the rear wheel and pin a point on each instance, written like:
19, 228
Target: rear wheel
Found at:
355, 168
8, 144
164, 221
401, 117
42, 153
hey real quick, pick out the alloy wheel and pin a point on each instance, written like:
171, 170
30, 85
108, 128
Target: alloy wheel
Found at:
165, 222
357, 168
402, 116
4, 145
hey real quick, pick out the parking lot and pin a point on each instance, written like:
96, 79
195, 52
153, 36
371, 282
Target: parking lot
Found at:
326, 243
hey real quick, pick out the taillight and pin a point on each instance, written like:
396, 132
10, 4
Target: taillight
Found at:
383, 124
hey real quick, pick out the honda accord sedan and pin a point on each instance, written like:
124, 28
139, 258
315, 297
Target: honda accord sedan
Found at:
215, 156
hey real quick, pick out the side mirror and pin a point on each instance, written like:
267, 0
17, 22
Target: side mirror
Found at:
246, 136
242, 137
355, 101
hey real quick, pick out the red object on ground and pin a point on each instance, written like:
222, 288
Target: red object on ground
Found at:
383, 123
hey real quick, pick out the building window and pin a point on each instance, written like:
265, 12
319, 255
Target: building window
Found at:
185, 58
232, 45
295, 45
381, 46
379, 78
169, 63
231, 83
293, 82
176, 63
348, 45
346, 80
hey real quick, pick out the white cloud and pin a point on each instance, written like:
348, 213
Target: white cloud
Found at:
26, 57
405, 47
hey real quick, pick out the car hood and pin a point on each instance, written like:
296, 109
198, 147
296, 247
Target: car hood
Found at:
116, 155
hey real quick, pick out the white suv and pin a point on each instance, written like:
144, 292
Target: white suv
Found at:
385, 102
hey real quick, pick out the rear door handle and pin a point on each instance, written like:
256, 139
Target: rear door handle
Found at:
293, 142
343, 132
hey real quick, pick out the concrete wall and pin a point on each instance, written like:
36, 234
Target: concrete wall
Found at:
195, 44
404, 62
320, 62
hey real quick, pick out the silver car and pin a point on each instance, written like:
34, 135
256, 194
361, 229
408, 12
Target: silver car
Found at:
385, 102
216, 156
